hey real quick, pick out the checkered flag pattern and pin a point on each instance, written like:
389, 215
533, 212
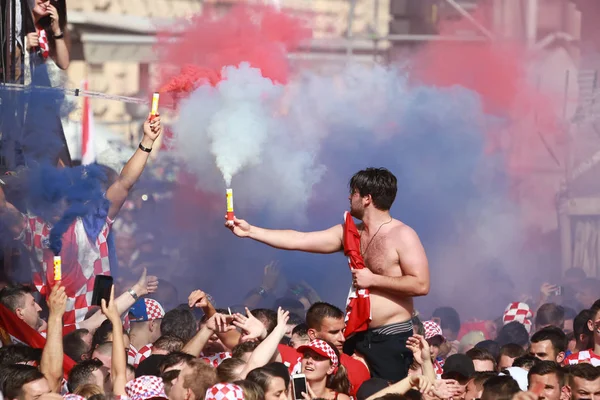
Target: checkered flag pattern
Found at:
145, 387
217, 359
155, 310
519, 312
321, 347
432, 329
225, 391
141, 355
581, 357
72, 396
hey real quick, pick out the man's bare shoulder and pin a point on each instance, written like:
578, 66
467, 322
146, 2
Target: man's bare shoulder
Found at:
404, 233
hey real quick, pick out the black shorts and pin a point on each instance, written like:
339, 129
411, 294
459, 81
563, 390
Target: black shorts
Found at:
384, 349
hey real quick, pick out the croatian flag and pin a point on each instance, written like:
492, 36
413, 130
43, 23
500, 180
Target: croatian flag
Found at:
88, 155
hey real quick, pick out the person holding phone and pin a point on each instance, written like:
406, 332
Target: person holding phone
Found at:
48, 40
324, 376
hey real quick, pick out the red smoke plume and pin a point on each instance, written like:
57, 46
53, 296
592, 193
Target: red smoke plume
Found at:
260, 36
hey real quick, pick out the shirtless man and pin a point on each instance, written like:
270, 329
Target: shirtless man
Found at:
397, 268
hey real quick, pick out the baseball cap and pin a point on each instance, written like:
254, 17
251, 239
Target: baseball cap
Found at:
458, 364
322, 348
432, 329
146, 310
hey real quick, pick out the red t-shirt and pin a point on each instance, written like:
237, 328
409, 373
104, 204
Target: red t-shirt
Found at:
357, 372
289, 356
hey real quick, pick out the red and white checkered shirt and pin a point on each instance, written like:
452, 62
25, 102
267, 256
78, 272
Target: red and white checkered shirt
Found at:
82, 260
585, 356
141, 355
217, 359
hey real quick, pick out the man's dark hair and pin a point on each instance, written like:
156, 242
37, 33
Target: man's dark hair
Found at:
169, 343
513, 332
555, 335
482, 355
300, 330
547, 367
11, 296
15, 377
242, 348
280, 370
479, 378
449, 318
81, 373
511, 350
491, 346
174, 358
500, 387
262, 376
580, 325
550, 314
319, 311
74, 346
19, 354
295, 319
585, 371
380, 183
267, 317
102, 334
526, 362
179, 323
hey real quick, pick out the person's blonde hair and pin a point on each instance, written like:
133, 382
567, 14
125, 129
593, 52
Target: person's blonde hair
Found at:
88, 390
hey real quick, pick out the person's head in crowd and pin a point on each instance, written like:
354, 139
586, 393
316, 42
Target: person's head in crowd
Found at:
104, 353
167, 344
299, 336
88, 390
321, 362
20, 354
180, 323
146, 388
326, 322
293, 322
294, 306
491, 346
549, 344
483, 360
244, 350
175, 361
499, 388
150, 366
508, 354
434, 336
587, 292
194, 379
526, 361
23, 382
594, 327
449, 321
550, 376
474, 387
570, 315
252, 390
272, 383
370, 387
166, 294
230, 370
581, 331
469, 340
145, 317
550, 314
459, 367
102, 334
584, 381
513, 332
88, 371
19, 300
267, 317
78, 344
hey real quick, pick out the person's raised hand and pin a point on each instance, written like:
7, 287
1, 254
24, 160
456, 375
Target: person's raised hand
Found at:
110, 310
198, 299
57, 301
251, 327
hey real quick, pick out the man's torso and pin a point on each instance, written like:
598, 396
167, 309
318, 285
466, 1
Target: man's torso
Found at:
380, 253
